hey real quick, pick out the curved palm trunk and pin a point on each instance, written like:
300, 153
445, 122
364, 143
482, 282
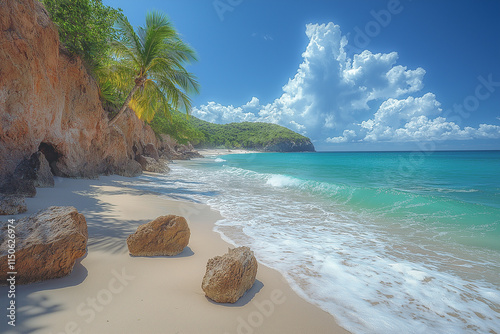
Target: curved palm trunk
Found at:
124, 106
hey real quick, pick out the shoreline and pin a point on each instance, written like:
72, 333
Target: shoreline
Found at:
208, 152
110, 291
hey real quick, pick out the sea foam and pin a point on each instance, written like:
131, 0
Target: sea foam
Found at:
373, 273
282, 181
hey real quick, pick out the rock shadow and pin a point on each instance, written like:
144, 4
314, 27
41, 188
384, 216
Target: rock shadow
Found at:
186, 252
245, 299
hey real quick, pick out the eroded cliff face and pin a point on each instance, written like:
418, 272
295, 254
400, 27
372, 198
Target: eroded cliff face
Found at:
49, 102
291, 146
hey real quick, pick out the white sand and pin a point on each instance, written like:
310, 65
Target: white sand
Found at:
112, 292
223, 151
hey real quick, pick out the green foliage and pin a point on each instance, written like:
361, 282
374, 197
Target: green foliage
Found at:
148, 63
141, 69
178, 127
246, 135
203, 134
85, 26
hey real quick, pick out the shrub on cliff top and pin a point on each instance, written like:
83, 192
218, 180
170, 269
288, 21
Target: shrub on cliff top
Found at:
85, 26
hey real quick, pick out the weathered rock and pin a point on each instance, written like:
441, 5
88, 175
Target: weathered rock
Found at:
191, 154
149, 164
229, 276
22, 181
12, 205
30, 173
166, 235
43, 177
163, 166
291, 146
129, 168
48, 100
47, 244
188, 152
144, 161
12, 185
167, 146
151, 151
172, 150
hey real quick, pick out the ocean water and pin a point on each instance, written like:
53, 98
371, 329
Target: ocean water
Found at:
399, 242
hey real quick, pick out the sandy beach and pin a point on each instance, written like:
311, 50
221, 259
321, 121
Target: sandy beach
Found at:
111, 292
361, 169
223, 151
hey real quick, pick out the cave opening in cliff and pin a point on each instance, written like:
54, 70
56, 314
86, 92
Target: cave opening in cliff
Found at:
51, 155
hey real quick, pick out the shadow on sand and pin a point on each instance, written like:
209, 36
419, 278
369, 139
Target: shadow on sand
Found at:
245, 299
32, 304
186, 252
106, 234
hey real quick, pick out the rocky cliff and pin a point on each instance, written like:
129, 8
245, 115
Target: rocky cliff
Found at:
291, 146
49, 103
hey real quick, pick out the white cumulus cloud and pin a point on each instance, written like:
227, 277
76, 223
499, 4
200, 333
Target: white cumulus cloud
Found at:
336, 99
347, 135
417, 119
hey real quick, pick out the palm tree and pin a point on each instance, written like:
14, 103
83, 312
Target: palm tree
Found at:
149, 64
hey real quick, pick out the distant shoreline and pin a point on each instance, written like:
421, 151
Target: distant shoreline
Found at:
223, 151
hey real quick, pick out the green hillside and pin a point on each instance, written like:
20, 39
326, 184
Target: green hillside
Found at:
247, 135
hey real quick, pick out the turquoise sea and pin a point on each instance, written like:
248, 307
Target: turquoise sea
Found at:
387, 242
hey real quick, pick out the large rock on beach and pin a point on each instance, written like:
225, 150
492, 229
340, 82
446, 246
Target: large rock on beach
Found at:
151, 151
129, 168
43, 174
22, 181
172, 150
47, 244
229, 276
30, 173
149, 164
12, 205
166, 235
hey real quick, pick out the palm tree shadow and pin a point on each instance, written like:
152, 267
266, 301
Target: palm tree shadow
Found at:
106, 233
177, 193
168, 187
32, 305
110, 234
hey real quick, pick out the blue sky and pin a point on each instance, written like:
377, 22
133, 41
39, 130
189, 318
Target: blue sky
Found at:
351, 75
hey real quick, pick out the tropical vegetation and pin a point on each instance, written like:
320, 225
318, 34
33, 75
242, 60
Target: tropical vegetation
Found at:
142, 69
247, 135
179, 127
149, 63
85, 27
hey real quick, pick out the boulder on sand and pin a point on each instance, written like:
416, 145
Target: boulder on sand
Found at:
47, 244
149, 164
22, 181
229, 276
151, 151
43, 177
12, 205
166, 235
